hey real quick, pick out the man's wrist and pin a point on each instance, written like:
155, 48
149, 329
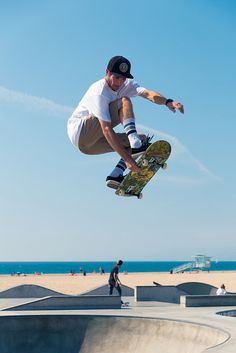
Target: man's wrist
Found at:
169, 100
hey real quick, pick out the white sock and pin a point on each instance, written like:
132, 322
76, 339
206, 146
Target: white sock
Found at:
131, 132
119, 169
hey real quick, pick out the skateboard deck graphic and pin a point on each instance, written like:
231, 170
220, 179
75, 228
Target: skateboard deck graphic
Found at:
150, 162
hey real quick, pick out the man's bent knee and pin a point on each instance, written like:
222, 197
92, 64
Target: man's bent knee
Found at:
114, 108
126, 101
126, 110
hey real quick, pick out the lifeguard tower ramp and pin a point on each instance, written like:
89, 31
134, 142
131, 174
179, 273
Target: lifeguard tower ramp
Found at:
200, 262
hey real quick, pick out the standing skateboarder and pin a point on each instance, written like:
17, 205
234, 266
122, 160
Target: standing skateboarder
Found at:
114, 281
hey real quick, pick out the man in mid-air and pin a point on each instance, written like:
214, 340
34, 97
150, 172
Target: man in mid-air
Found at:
106, 104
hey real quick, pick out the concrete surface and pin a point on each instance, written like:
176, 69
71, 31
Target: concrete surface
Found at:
69, 303
143, 327
168, 294
172, 294
208, 300
83, 333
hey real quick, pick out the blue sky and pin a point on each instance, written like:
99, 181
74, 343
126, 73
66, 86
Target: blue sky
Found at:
54, 203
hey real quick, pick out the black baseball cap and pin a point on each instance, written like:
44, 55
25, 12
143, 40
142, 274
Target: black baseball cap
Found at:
120, 66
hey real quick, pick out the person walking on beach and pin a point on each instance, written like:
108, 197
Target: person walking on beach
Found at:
221, 290
106, 104
114, 281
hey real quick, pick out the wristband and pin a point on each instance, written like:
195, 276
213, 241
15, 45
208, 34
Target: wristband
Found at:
168, 101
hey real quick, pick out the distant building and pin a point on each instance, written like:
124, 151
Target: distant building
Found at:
200, 262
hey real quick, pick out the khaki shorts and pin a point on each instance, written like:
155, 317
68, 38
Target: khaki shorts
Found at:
92, 140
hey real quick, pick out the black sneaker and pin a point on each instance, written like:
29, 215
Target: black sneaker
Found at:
114, 182
136, 152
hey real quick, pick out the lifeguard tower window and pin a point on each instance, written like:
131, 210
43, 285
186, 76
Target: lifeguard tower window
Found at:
200, 262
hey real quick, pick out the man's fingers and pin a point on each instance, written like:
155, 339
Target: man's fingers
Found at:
133, 167
180, 107
136, 169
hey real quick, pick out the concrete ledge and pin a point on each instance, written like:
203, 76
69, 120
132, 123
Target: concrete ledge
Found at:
207, 300
168, 294
70, 303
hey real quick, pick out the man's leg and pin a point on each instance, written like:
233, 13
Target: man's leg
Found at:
111, 286
139, 143
118, 288
92, 141
127, 119
114, 179
122, 110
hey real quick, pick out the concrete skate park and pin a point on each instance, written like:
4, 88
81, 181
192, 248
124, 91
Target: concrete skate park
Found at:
158, 319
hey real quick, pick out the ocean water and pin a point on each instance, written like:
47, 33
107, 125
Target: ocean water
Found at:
89, 267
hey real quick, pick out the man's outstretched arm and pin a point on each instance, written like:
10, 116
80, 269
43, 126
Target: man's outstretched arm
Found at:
157, 98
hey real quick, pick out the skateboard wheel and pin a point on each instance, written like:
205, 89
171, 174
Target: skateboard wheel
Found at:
164, 166
144, 162
140, 196
121, 192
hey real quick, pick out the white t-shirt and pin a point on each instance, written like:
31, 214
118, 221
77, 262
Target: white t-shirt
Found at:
96, 102
220, 291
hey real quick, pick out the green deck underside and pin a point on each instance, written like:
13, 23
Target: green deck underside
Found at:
156, 154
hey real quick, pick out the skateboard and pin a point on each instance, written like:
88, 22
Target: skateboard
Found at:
125, 304
150, 162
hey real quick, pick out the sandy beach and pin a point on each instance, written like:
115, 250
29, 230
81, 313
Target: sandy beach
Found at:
76, 284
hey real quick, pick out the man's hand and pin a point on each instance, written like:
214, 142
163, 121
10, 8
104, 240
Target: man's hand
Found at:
131, 165
157, 98
114, 142
173, 106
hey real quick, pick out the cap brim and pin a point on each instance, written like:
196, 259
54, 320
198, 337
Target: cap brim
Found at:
130, 76
125, 76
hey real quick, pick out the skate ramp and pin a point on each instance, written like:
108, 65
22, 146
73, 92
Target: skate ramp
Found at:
104, 290
28, 291
197, 288
104, 334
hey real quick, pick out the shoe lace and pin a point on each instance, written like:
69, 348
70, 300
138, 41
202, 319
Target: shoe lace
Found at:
148, 139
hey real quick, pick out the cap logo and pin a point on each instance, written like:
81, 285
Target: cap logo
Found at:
123, 67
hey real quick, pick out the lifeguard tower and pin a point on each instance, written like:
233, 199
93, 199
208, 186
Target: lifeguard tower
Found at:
200, 262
